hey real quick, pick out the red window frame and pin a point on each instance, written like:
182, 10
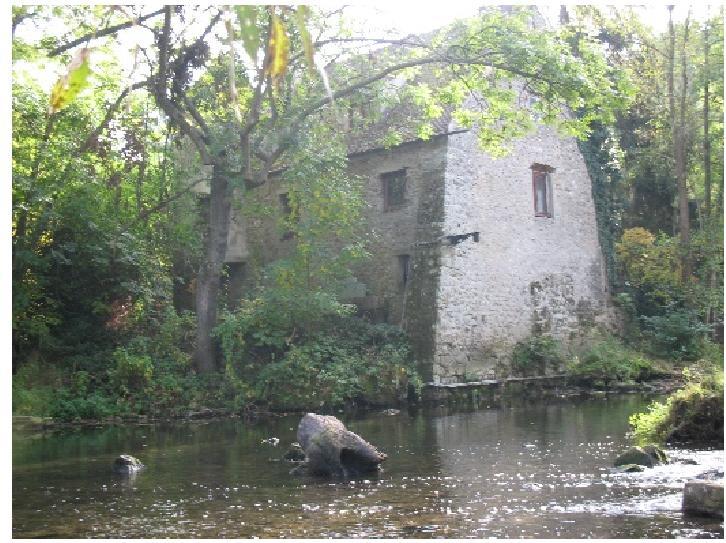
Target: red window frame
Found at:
542, 172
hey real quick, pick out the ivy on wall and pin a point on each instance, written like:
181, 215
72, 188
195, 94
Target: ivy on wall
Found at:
601, 158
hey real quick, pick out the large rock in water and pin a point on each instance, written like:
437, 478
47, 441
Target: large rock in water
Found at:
647, 456
703, 498
126, 464
332, 449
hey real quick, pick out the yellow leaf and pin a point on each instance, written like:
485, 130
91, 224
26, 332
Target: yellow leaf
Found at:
278, 49
69, 85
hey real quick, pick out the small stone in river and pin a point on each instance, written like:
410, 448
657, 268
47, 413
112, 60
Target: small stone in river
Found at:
126, 463
295, 453
631, 468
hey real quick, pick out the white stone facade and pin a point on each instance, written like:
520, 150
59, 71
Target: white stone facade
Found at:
526, 274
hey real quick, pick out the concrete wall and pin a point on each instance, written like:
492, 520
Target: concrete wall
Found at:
526, 274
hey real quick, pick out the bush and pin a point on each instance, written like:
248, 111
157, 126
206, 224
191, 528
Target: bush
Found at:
678, 334
69, 407
132, 372
537, 355
692, 414
328, 361
609, 360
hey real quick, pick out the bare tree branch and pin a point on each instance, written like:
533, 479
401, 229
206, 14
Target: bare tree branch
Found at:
105, 32
169, 107
110, 112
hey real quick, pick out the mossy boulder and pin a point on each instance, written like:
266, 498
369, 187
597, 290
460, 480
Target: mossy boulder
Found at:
647, 456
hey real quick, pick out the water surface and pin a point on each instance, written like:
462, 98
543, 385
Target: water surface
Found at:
541, 470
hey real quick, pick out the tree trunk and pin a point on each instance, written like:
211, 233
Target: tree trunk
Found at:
678, 142
208, 279
681, 162
706, 137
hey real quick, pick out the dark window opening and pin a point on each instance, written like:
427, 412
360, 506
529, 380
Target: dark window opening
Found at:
234, 283
394, 189
542, 190
404, 263
286, 210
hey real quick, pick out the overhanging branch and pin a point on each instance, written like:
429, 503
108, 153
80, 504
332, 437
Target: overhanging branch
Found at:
105, 32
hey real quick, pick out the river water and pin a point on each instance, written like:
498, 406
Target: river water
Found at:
535, 471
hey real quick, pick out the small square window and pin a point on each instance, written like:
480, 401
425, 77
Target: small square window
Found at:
542, 190
394, 189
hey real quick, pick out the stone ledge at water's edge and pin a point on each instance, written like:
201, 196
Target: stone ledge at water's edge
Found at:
530, 388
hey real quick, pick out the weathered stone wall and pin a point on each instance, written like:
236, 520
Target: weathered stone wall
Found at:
525, 275
411, 229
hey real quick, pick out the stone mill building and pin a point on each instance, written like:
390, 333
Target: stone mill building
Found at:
471, 254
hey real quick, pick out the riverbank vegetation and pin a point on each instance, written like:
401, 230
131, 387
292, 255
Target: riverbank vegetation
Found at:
115, 243
693, 414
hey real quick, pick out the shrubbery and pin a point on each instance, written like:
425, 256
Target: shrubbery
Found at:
537, 356
692, 414
610, 361
313, 354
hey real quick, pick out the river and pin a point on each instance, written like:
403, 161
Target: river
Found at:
535, 471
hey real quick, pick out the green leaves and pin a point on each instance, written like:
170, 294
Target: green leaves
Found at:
74, 81
302, 13
249, 31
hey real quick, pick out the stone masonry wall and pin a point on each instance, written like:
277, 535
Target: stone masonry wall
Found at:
411, 228
525, 275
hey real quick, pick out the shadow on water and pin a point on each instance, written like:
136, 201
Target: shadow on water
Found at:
538, 470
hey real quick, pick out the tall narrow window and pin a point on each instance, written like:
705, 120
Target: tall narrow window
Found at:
542, 190
286, 211
404, 262
394, 189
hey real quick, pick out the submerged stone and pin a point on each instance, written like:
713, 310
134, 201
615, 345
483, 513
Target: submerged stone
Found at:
126, 464
631, 468
703, 498
295, 453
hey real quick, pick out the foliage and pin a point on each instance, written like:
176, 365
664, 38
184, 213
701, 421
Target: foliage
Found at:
346, 361
603, 157
682, 413
650, 267
610, 361
678, 333
537, 355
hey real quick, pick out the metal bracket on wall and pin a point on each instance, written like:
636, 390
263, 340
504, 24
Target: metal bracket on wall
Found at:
449, 240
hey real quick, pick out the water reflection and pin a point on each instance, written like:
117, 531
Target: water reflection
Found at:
533, 471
